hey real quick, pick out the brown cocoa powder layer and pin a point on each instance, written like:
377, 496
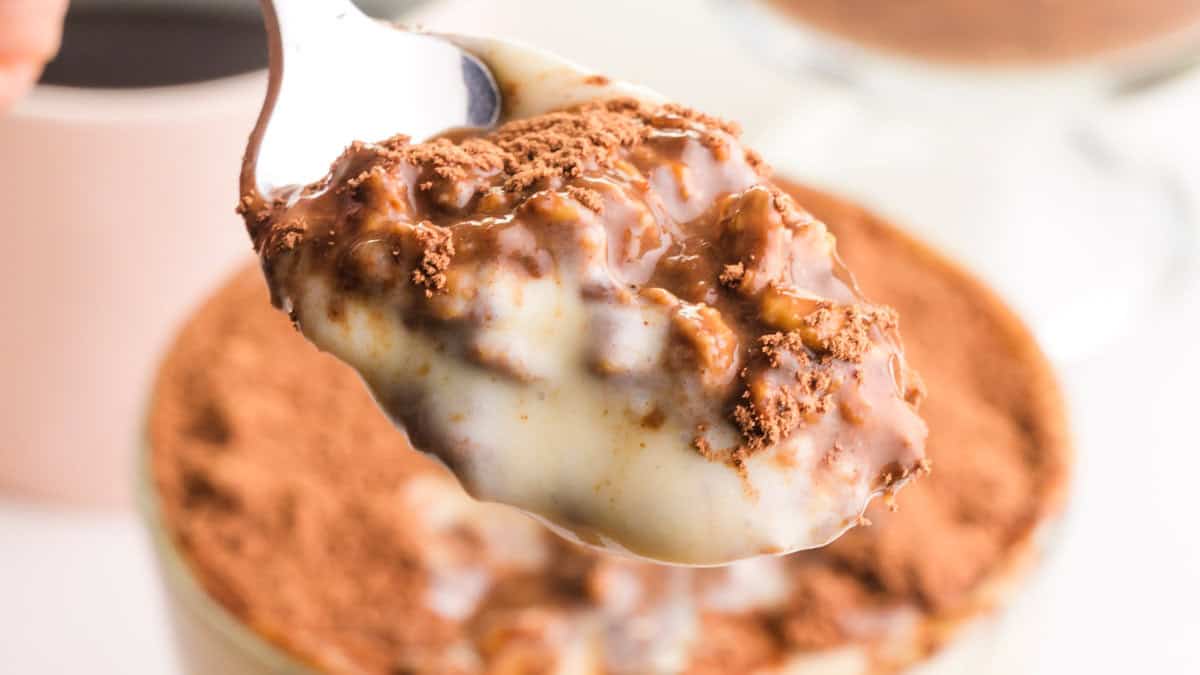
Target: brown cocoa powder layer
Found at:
997, 31
278, 477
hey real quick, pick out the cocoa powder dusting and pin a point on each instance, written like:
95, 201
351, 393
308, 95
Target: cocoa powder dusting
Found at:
282, 496
283, 515
589, 198
767, 415
437, 249
845, 332
534, 153
732, 275
465, 174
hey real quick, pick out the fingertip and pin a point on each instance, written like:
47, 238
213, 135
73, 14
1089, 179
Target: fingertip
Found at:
16, 78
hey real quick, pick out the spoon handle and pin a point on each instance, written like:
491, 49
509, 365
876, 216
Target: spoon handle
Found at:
297, 30
338, 76
296, 21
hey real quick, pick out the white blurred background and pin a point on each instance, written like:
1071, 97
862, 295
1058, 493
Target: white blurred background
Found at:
78, 593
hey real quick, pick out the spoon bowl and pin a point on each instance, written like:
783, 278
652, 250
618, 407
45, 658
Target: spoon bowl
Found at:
338, 76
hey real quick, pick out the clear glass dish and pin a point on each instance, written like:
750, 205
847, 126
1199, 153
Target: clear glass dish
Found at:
998, 640
209, 639
998, 631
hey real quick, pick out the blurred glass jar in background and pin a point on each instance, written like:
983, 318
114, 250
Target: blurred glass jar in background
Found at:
117, 185
999, 32
989, 123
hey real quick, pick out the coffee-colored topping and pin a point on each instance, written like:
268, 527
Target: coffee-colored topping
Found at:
588, 197
437, 249
845, 332
292, 506
731, 276
774, 405
998, 30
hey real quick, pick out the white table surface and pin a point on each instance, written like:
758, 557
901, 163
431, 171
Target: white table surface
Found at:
78, 592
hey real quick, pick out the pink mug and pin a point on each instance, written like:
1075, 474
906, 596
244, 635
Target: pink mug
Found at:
116, 208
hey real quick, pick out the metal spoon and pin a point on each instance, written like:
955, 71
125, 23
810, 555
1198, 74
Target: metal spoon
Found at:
337, 76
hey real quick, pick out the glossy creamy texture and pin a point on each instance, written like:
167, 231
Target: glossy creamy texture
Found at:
573, 448
582, 363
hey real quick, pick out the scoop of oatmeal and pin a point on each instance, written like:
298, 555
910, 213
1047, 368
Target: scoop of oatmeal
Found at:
609, 317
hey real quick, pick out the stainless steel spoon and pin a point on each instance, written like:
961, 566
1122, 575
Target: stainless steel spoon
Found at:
337, 76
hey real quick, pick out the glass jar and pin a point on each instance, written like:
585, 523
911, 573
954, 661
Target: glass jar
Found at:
997, 631
1000, 640
1019, 162
208, 638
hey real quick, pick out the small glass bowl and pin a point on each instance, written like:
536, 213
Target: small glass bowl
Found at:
998, 641
209, 639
